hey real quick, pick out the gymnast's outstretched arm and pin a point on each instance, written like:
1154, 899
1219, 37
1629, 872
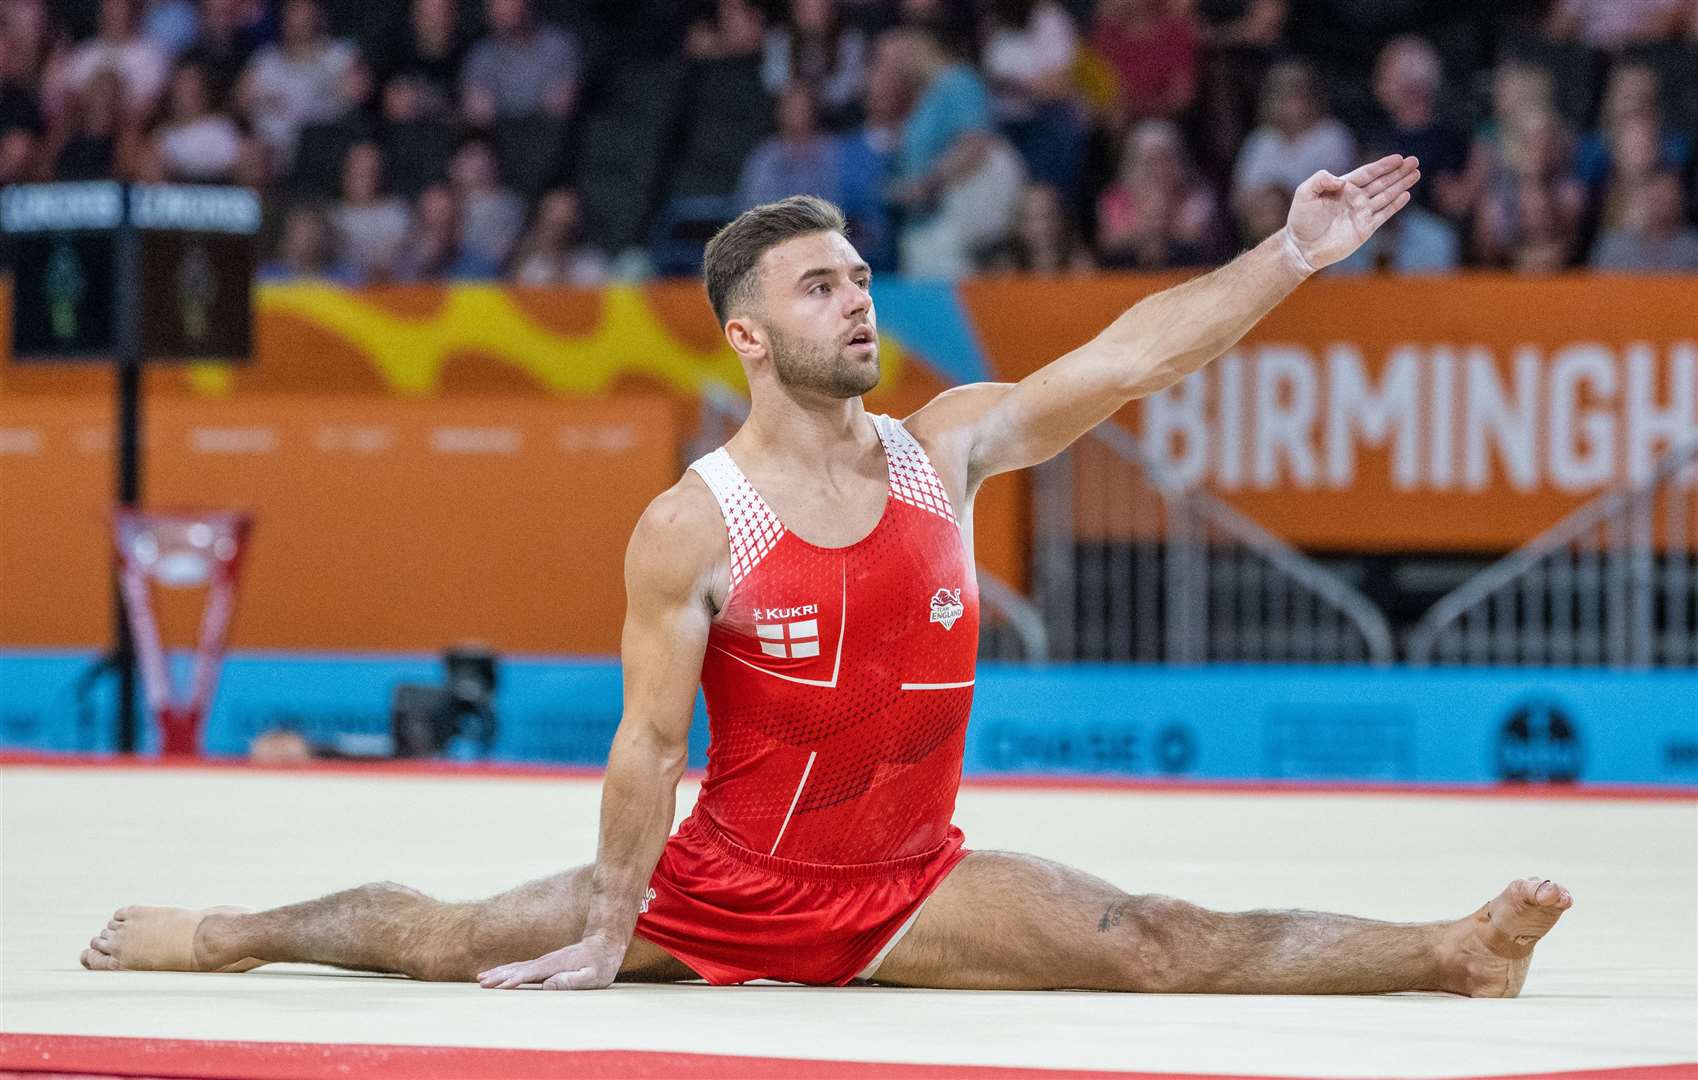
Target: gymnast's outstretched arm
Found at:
991, 428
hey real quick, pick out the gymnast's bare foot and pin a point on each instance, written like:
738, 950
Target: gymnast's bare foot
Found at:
1487, 954
157, 939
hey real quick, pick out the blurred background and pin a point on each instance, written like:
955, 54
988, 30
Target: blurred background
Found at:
1434, 520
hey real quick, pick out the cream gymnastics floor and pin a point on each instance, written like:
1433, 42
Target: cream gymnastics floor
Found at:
1615, 986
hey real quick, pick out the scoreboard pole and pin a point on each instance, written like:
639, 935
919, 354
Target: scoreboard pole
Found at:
127, 303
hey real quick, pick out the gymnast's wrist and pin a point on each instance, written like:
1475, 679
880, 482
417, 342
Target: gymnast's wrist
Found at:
1293, 253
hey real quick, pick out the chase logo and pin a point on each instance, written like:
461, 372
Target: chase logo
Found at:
947, 607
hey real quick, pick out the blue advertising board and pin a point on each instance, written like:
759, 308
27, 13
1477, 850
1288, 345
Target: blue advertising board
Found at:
1397, 725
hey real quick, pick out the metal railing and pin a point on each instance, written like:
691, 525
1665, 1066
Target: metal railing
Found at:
1132, 564
1010, 626
1613, 584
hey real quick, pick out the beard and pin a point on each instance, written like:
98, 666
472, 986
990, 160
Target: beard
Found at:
822, 367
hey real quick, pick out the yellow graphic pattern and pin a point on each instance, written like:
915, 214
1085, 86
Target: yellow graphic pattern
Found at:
409, 352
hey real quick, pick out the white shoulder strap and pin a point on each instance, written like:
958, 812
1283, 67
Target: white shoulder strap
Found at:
750, 524
912, 478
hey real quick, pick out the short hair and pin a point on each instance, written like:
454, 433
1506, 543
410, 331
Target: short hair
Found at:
728, 267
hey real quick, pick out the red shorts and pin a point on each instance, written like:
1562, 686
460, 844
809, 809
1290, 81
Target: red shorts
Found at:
732, 914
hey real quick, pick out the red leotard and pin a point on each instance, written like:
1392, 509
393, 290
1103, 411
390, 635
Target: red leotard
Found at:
838, 682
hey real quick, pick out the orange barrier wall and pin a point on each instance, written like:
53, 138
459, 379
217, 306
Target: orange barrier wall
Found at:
380, 524
409, 450
1403, 415
425, 464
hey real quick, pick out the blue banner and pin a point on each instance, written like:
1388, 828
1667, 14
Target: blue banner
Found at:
1399, 725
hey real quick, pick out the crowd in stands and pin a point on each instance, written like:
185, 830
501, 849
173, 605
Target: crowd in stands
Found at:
577, 141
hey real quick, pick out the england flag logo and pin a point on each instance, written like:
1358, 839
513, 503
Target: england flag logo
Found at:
947, 607
791, 640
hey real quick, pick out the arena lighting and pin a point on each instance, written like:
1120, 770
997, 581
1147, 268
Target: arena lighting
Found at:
425, 719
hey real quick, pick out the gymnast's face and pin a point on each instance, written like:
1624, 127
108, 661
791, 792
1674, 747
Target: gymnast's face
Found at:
817, 315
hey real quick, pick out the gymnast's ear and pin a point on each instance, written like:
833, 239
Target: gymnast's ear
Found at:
747, 337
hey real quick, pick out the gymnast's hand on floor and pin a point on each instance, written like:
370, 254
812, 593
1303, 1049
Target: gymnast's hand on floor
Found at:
591, 964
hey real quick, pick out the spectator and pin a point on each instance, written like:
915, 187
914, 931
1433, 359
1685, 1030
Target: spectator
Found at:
1654, 237
305, 251
21, 123
1519, 88
193, 142
1029, 53
422, 63
370, 225
799, 160
145, 164
816, 49
524, 67
549, 253
306, 78
1157, 213
26, 31
1242, 38
958, 181
117, 46
93, 142
1153, 48
1635, 152
1295, 140
225, 43
1237, 25
435, 249
18, 148
1632, 95
1046, 241
1530, 214
736, 29
1407, 81
870, 155
1545, 238
253, 166
492, 215
1617, 24
172, 25
952, 22
1261, 213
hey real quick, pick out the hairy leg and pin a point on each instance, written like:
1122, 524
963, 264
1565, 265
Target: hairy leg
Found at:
1014, 922
392, 928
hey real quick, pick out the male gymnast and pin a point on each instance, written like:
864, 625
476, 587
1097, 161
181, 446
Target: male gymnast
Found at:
815, 576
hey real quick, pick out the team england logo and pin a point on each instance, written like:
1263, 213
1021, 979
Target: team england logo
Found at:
947, 607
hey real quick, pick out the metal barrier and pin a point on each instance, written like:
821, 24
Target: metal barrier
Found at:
1613, 584
1010, 626
1134, 565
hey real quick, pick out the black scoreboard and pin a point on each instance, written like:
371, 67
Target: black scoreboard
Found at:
163, 271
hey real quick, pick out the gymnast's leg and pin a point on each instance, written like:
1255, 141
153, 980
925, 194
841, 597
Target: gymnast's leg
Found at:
1001, 921
378, 927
